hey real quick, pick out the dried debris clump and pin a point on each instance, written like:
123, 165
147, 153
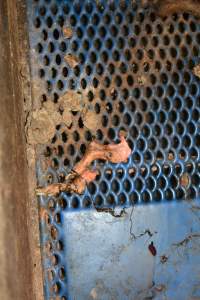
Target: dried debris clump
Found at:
44, 120
90, 119
71, 60
81, 174
142, 80
164, 259
72, 101
67, 32
196, 70
185, 180
50, 114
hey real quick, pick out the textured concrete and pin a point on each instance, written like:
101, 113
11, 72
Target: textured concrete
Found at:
18, 256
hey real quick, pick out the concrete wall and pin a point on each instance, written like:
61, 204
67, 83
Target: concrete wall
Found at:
19, 243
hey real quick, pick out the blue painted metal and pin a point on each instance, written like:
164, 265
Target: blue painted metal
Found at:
137, 71
105, 262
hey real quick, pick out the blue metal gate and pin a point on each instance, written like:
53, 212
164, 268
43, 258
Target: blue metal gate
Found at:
135, 71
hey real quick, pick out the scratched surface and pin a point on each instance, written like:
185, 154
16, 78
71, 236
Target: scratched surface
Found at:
135, 73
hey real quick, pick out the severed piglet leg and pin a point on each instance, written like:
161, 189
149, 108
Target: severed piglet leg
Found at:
76, 181
167, 7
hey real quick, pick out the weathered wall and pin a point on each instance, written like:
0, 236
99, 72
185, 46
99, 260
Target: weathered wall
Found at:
19, 248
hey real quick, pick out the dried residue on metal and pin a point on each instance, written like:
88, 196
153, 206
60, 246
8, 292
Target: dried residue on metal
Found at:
44, 120
196, 70
67, 32
71, 60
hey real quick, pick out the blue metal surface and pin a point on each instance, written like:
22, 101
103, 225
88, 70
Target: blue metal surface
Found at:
137, 71
105, 262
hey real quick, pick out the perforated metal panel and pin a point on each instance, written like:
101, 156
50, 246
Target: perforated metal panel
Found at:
136, 72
